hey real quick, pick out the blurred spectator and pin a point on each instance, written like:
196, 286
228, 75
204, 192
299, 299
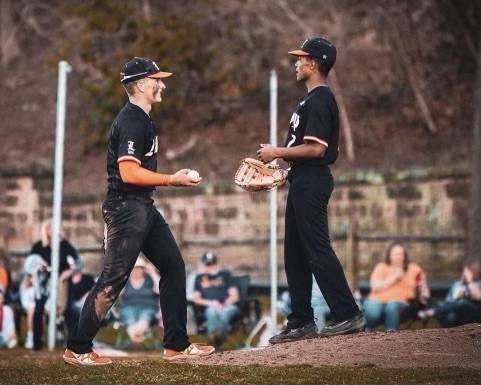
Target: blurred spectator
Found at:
394, 283
4, 274
462, 304
8, 337
139, 302
215, 289
43, 247
27, 300
34, 284
319, 306
318, 303
75, 285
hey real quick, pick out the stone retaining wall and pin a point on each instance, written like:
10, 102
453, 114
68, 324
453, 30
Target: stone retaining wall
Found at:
235, 223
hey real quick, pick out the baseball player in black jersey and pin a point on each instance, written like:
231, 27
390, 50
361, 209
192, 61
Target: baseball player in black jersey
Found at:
134, 225
312, 144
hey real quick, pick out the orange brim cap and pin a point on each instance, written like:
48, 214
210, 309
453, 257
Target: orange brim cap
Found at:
298, 53
160, 75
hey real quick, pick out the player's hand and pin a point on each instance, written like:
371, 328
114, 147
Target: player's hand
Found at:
180, 178
266, 153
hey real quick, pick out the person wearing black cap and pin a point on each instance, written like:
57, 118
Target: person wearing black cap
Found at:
134, 225
312, 144
216, 290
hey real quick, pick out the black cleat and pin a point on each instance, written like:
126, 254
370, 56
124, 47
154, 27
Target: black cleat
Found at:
351, 325
289, 335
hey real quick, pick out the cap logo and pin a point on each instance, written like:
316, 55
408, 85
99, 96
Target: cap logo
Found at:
324, 56
156, 66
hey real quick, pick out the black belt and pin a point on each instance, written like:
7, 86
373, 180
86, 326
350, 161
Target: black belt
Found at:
126, 194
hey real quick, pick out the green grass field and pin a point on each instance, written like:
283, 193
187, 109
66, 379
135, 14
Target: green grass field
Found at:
52, 370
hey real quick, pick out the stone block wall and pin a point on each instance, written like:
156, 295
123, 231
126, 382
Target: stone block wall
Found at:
235, 224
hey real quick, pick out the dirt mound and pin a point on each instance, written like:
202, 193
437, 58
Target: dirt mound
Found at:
459, 347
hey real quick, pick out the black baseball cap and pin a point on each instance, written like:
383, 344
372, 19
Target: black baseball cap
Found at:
141, 67
317, 47
208, 257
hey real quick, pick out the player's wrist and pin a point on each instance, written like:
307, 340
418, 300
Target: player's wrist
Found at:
281, 152
164, 180
276, 152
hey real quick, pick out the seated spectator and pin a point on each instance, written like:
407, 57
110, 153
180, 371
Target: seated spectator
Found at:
462, 304
318, 303
43, 247
34, 284
77, 286
394, 283
27, 300
8, 337
215, 289
4, 274
139, 302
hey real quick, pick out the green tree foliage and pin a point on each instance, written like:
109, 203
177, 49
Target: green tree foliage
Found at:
114, 32
222, 51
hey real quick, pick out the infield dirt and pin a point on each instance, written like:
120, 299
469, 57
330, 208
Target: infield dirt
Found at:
433, 347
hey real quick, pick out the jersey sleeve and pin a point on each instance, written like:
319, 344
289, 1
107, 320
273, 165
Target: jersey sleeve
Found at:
131, 141
319, 123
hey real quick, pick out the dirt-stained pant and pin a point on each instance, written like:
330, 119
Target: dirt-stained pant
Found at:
134, 225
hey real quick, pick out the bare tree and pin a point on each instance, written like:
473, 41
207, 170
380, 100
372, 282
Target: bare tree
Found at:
400, 23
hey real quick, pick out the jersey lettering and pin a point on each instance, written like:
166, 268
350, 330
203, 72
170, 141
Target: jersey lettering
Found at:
295, 120
154, 148
291, 142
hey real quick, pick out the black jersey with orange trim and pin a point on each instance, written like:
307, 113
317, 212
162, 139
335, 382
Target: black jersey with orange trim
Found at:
132, 137
316, 119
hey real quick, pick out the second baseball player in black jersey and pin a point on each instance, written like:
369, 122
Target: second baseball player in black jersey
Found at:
316, 119
312, 144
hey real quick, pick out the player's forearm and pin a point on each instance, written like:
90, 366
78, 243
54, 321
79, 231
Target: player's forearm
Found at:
308, 150
134, 174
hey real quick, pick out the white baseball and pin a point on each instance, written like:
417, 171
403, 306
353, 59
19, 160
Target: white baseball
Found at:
193, 174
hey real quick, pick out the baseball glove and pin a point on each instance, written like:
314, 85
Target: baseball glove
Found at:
253, 175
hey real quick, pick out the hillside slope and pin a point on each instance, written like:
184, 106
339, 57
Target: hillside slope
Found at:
216, 107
